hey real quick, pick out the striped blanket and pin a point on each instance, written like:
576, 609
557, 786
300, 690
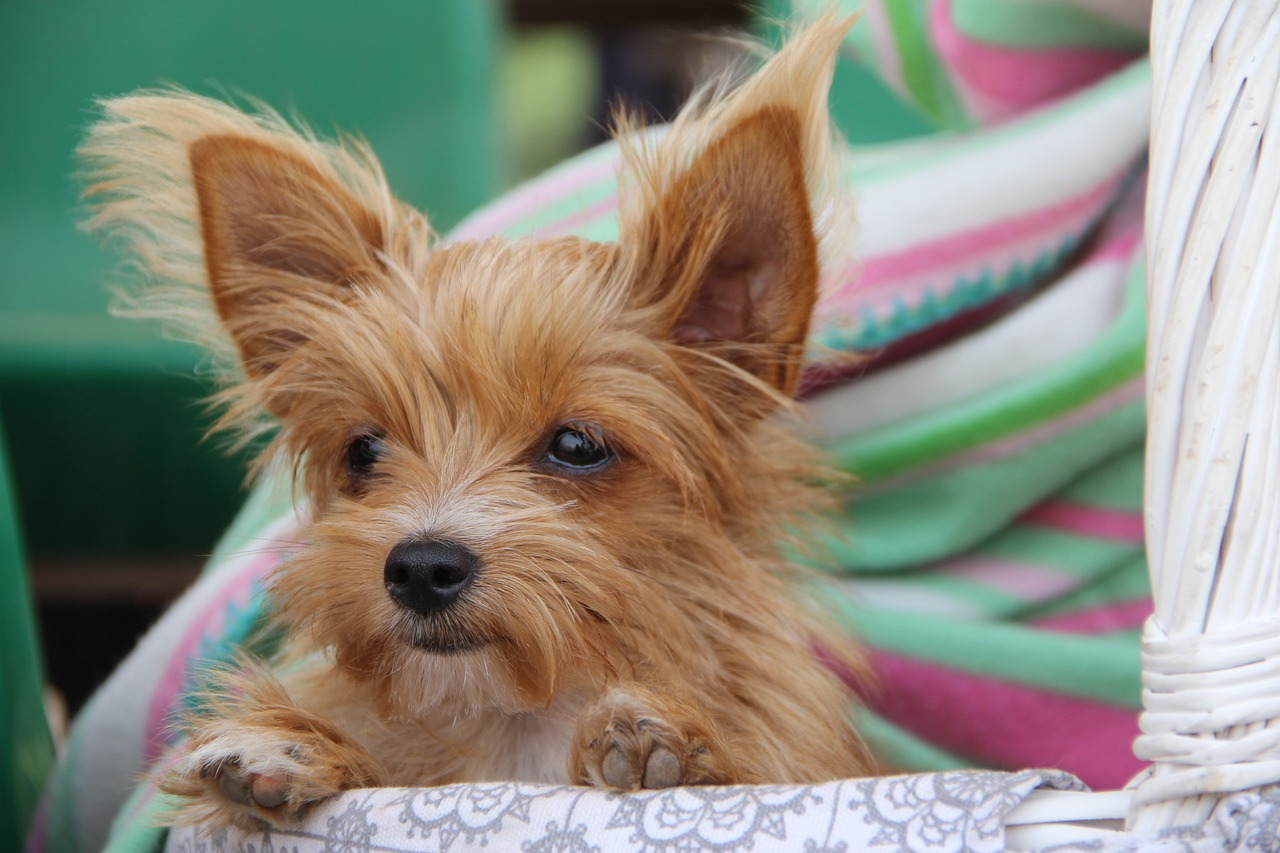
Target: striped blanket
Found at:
993, 557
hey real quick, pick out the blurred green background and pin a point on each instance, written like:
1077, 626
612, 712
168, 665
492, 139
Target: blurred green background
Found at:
119, 492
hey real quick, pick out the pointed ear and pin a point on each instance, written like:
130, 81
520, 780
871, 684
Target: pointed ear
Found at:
745, 277
277, 233
725, 220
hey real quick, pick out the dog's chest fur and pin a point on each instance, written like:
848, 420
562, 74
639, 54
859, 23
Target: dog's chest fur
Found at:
531, 746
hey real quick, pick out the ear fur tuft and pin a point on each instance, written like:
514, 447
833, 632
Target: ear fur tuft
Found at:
728, 216
137, 169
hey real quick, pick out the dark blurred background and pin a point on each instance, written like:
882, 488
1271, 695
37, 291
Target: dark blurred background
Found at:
119, 494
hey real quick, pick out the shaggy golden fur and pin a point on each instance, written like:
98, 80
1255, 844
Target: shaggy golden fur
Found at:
624, 623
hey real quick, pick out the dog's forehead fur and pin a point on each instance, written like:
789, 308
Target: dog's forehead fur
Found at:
490, 347
521, 314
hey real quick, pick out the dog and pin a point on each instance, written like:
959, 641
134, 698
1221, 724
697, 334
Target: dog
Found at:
552, 486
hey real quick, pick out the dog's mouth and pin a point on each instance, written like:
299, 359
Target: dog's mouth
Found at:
445, 636
446, 644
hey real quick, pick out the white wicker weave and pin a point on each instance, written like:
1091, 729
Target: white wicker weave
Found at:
1211, 651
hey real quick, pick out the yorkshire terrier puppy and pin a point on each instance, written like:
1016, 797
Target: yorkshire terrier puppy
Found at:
548, 483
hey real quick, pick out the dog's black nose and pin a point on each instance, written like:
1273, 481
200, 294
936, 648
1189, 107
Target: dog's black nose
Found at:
426, 575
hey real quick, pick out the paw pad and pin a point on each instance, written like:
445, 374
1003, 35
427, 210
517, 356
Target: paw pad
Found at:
245, 788
630, 755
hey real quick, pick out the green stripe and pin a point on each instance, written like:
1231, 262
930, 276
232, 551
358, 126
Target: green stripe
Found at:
1036, 23
1080, 561
602, 230
565, 207
927, 82
1114, 486
1102, 668
1057, 550
270, 500
947, 513
1118, 357
137, 828
1128, 581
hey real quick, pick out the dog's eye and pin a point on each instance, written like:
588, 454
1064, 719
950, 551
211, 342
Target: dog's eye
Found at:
574, 449
363, 454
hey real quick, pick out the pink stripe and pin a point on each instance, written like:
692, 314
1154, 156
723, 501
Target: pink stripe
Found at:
1121, 248
1006, 725
208, 623
1082, 520
1117, 250
889, 296
1009, 79
534, 196
1107, 619
971, 246
1021, 442
578, 219
1024, 580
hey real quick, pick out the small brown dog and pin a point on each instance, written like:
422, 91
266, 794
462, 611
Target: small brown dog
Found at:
547, 481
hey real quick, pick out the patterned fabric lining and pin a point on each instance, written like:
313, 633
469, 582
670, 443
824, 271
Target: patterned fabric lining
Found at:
914, 814
951, 811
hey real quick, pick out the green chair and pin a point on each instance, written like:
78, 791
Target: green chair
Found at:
26, 751
102, 412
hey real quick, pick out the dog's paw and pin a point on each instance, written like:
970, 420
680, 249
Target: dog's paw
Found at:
249, 776
626, 742
248, 788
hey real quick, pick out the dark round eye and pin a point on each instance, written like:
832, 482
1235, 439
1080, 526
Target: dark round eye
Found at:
574, 449
363, 454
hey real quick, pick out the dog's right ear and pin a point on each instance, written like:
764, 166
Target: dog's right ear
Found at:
278, 235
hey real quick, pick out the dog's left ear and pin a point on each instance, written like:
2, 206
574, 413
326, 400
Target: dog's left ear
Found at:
741, 274
725, 247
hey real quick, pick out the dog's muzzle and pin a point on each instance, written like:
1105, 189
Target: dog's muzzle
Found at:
428, 575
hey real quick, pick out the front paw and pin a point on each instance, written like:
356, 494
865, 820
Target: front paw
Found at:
266, 791
627, 742
247, 775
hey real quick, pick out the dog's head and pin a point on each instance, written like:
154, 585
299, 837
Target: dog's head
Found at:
530, 465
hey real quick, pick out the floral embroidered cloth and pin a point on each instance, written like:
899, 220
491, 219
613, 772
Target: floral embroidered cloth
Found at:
954, 811
931, 813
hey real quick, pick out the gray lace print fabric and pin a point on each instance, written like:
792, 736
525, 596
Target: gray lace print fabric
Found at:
929, 813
